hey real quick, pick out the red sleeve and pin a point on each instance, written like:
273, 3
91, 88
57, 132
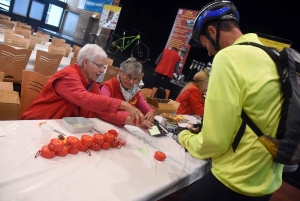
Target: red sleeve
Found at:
70, 88
196, 102
114, 118
142, 105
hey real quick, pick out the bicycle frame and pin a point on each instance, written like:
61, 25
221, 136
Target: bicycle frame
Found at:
124, 38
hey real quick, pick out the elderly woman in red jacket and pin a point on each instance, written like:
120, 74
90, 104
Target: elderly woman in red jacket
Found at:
191, 97
125, 87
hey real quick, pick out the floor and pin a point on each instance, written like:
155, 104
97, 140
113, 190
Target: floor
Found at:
286, 192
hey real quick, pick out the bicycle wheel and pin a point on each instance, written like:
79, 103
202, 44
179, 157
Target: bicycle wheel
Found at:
114, 44
141, 52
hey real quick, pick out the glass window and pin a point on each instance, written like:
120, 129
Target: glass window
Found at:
54, 15
21, 7
36, 10
4, 5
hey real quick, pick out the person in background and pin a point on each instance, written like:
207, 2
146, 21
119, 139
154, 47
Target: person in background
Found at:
125, 87
249, 172
191, 97
167, 62
73, 92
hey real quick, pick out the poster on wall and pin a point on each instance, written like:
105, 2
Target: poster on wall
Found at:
93, 5
110, 16
181, 34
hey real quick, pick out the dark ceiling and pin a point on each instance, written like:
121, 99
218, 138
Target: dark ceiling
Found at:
156, 18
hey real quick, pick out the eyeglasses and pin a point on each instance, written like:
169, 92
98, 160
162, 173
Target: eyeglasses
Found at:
98, 65
130, 77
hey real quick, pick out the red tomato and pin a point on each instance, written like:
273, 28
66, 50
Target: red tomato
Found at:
114, 132
72, 142
86, 140
108, 137
95, 146
82, 147
64, 152
122, 142
46, 152
115, 144
106, 145
160, 156
74, 150
56, 144
98, 138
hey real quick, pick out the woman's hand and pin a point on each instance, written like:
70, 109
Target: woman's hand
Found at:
136, 115
150, 116
147, 124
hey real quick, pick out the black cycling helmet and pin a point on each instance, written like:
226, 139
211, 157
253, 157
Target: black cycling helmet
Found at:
219, 9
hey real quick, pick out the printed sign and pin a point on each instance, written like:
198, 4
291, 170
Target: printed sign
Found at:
110, 16
181, 34
93, 5
275, 42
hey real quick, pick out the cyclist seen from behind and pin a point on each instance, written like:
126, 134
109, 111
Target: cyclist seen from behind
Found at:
249, 173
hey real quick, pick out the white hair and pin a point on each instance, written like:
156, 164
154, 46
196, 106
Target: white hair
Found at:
89, 51
132, 66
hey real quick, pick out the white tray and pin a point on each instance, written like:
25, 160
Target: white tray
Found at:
78, 124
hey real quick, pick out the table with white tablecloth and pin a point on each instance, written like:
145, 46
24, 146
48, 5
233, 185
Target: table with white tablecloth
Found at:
128, 173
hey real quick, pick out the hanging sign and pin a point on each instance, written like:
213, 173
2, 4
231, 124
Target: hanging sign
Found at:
93, 5
181, 34
275, 42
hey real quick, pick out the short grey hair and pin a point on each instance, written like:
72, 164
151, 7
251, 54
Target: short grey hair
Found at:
89, 51
132, 66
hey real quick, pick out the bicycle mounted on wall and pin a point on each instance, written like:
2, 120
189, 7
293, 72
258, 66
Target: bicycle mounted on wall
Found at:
117, 44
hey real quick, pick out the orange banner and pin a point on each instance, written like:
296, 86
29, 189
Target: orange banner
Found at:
181, 34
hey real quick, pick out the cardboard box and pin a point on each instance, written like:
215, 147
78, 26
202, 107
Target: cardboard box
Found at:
9, 102
163, 105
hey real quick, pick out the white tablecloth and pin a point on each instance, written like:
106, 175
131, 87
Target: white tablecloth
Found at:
129, 173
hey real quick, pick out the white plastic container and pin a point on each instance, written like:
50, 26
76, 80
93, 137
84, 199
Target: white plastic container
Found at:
45, 134
78, 124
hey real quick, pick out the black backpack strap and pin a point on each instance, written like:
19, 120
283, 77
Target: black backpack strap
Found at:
245, 117
241, 131
268, 50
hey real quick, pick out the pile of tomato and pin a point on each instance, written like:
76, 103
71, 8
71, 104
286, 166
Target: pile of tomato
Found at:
72, 145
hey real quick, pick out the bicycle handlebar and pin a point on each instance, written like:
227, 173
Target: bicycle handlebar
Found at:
138, 31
